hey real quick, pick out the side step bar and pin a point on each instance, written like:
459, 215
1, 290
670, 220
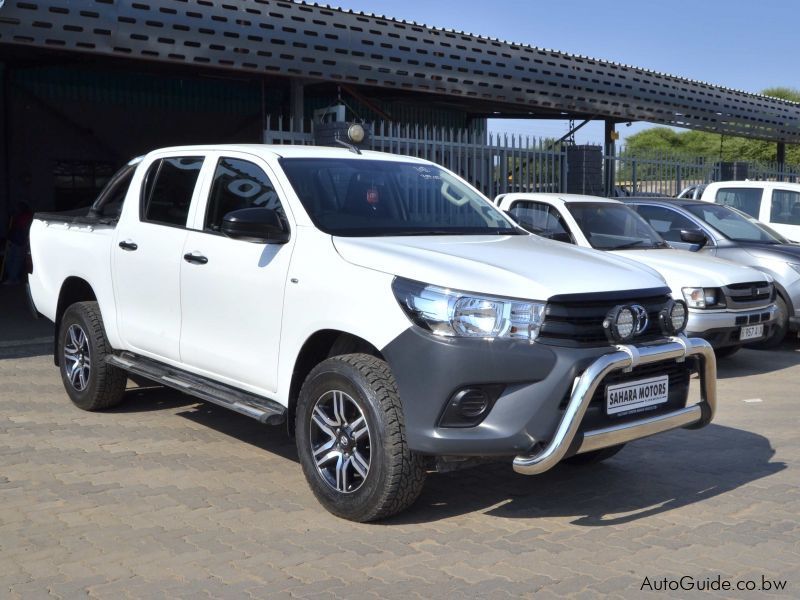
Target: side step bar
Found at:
259, 408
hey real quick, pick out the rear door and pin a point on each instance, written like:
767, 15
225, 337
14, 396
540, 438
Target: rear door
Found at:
232, 290
147, 255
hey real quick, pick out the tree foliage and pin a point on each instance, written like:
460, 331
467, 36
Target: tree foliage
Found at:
712, 146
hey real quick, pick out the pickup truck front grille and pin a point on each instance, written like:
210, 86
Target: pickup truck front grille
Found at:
577, 320
748, 295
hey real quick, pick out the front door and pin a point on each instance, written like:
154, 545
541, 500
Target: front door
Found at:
232, 290
147, 256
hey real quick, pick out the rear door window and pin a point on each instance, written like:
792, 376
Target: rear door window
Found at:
785, 207
168, 189
747, 200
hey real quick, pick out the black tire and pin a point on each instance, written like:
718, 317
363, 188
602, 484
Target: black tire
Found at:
594, 457
103, 386
394, 476
726, 351
780, 331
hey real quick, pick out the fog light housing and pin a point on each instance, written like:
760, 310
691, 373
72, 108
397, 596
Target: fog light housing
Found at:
620, 324
674, 317
470, 405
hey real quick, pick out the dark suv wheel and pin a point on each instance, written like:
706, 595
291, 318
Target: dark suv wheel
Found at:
82, 348
351, 439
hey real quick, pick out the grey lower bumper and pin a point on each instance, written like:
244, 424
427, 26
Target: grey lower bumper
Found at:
626, 357
701, 322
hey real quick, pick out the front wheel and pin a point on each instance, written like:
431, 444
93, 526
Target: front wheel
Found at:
351, 439
781, 328
91, 383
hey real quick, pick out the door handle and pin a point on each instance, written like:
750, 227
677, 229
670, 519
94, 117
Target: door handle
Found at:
195, 259
128, 245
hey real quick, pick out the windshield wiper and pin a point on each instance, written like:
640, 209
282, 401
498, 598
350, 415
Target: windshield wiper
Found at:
628, 245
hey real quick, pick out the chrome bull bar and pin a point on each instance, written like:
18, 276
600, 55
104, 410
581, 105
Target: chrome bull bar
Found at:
626, 358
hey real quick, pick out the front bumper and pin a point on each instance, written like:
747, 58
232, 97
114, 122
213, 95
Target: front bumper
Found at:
721, 328
538, 381
567, 437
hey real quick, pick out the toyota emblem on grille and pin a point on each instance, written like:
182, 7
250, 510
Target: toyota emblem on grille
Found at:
641, 318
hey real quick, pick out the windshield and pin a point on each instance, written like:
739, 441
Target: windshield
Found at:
735, 225
610, 226
355, 197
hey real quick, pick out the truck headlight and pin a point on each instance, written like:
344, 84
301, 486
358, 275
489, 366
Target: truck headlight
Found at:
795, 266
704, 297
453, 313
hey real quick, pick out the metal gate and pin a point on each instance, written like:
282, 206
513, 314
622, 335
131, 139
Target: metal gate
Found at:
493, 163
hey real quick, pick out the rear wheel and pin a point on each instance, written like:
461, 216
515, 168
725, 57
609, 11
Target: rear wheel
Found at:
781, 327
90, 382
351, 439
594, 457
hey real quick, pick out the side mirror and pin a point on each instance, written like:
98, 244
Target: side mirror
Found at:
695, 237
259, 225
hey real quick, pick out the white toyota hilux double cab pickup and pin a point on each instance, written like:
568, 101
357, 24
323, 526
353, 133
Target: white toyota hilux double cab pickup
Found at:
381, 306
729, 304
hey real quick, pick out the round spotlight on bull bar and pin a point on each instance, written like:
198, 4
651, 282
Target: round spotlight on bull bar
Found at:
620, 324
674, 317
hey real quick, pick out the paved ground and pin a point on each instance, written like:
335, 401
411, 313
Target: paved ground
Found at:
167, 497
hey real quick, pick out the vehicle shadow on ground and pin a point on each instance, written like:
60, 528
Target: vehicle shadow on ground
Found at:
647, 478
751, 362
150, 398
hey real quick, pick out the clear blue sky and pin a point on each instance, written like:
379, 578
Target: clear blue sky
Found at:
736, 43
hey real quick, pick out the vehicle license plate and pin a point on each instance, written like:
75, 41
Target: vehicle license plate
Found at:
751, 332
635, 395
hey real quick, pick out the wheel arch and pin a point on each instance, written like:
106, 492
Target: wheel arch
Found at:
73, 289
319, 346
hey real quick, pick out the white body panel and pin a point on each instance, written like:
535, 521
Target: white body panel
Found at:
768, 190
514, 266
60, 251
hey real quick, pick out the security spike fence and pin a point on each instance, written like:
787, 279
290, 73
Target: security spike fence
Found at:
503, 163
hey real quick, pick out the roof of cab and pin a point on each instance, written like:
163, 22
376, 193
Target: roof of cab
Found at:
550, 196
292, 151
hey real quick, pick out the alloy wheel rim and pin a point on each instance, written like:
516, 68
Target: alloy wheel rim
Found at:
340, 441
77, 357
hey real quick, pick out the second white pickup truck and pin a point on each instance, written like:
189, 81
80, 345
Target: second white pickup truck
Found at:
379, 305
729, 304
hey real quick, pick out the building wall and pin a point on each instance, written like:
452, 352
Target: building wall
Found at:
84, 117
